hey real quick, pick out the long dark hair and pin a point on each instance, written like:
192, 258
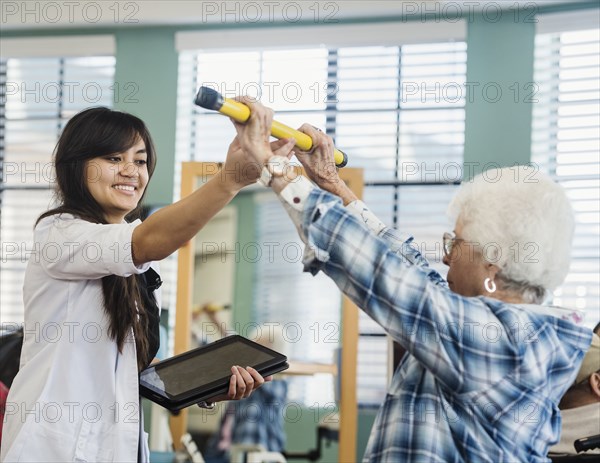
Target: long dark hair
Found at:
89, 134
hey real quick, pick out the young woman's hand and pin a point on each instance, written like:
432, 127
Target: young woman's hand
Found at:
254, 134
243, 382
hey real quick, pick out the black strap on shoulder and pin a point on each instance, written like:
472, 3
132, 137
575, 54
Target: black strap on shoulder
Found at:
151, 282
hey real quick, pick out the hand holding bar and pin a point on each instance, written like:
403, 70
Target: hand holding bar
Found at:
209, 98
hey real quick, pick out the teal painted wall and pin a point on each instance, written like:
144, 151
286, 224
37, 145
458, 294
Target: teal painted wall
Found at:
499, 98
244, 268
146, 79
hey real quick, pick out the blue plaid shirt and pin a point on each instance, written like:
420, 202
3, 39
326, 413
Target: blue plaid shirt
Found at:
481, 380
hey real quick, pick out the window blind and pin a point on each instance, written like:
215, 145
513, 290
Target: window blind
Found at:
566, 143
37, 97
398, 111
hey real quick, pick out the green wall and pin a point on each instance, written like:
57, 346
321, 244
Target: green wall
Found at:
244, 269
146, 78
499, 104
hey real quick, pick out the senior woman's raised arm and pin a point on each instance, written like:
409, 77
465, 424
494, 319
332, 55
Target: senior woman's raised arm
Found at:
320, 167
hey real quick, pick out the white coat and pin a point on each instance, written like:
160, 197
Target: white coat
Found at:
75, 397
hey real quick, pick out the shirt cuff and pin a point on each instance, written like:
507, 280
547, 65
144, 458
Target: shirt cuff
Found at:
294, 197
296, 193
361, 210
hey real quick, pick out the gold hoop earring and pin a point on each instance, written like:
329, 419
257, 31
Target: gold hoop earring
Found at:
490, 285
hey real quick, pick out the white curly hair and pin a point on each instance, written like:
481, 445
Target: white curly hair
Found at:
523, 222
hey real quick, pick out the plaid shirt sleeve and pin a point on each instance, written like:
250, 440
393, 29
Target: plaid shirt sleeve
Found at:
462, 341
399, 244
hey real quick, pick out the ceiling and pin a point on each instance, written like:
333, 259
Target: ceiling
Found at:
27, 15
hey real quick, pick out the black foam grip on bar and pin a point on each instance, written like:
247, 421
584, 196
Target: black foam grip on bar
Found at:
587, 443
209, 98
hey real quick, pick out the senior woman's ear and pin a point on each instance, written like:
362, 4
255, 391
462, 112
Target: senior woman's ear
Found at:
595, 384
489, 282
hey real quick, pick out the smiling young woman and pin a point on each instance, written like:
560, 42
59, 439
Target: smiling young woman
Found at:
95, 285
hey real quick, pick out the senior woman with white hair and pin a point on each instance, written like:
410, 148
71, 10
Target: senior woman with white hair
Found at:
486, 362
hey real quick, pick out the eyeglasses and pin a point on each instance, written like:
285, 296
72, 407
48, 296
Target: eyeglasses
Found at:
449, 239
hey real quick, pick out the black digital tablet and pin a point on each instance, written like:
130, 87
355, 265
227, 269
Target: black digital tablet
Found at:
202, 373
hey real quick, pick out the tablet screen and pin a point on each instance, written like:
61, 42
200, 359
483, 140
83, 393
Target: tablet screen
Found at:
205, 368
